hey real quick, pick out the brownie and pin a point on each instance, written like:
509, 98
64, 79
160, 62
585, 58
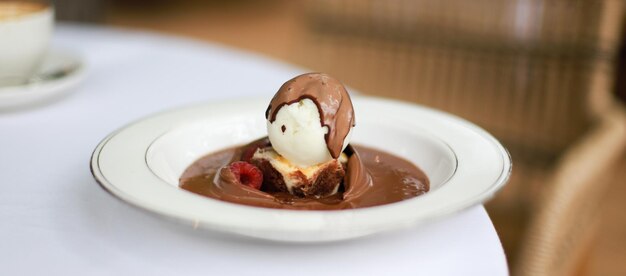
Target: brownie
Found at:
322, 184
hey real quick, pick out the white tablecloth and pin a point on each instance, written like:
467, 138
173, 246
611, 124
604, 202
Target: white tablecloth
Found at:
55, 219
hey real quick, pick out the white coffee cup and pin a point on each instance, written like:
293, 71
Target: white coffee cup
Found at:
25, 29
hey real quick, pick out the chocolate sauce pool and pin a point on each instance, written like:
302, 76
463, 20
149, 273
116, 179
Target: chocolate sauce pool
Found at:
373, 178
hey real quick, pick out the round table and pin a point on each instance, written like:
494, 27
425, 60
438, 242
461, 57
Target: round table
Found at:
55, 219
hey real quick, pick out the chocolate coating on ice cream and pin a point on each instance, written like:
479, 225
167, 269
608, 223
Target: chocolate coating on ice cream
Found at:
332, 101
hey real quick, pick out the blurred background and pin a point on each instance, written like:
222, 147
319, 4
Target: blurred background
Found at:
544, 76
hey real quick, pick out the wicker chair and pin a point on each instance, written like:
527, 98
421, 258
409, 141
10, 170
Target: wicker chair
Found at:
537, 74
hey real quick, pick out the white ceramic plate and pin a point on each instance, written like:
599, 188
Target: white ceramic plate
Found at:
58, 74
141, 164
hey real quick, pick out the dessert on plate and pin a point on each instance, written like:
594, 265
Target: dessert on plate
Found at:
306, 161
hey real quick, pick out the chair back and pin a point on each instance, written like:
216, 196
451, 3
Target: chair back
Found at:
533, 72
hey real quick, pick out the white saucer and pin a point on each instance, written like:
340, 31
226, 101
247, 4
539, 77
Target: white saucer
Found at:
141, 164
59, 73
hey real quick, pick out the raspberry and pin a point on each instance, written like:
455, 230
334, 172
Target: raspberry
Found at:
247, 174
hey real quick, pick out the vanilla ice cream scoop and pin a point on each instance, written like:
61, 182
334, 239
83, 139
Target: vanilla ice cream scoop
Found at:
309, 120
